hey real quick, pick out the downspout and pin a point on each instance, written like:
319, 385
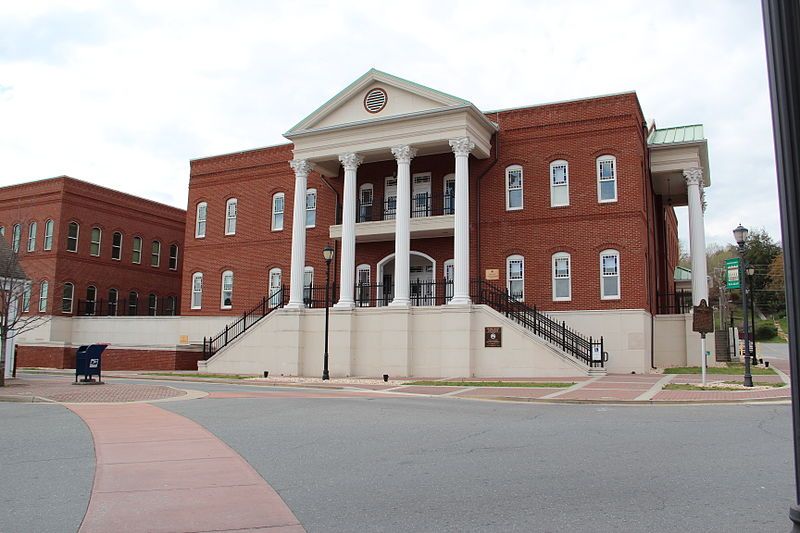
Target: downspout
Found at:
478, 189
335, 217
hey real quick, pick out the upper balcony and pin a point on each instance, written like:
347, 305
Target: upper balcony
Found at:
431, 216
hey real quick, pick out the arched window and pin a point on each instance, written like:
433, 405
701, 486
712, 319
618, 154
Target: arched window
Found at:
136, 253
200, 220
609, 275
16, 236
308, 285
173, 257
48, 235
73, 230
91, 297
515, 277
133, 303
562, 277
43, 289
94, 244
155, 254
171, 306
365, 197
277, 211
275, 293
311, 208
559, 183
26, 298
66, 297
152, 304
113, 302
363, 285
226, 300
116, 246
449, 278
197, 290
230, 217
32, 227
606, 178
513, 188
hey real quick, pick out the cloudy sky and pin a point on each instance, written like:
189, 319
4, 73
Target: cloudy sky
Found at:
124, 94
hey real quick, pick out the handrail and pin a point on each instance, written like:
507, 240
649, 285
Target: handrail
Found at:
212, 345
586, 349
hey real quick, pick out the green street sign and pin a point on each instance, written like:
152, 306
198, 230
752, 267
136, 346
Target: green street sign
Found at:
732, 273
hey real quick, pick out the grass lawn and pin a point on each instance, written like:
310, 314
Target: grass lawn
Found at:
555, 385
731, 368
758, 383
184, 375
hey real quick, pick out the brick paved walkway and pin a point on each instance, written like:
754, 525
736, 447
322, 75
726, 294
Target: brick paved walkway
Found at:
62, 390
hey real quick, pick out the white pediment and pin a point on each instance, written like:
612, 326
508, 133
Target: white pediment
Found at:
402, 98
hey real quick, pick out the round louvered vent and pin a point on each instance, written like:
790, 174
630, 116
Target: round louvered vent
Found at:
375, 100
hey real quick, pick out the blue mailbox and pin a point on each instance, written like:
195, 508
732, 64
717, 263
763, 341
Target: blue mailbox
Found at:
89, 362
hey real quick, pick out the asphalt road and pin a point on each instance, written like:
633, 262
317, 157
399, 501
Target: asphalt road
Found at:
446, 464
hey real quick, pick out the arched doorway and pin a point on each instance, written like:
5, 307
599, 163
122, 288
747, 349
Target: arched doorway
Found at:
421, 276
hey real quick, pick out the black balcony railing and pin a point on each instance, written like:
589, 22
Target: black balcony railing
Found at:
674, 303
212, 345
422, 205
167, 306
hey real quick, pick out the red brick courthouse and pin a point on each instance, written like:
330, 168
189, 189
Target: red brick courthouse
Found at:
551, 224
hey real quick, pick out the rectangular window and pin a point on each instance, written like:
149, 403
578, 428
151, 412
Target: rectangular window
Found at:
609, 265
136, 255
155, 254
516, 278
66, 298
94, 245
227, 290
230, 217
559, 184
116, 246
48, 235
514, 188
152, 305
173, 257
200, 229
26, 299
365, 203
277, 212
32, 236
197, 291
311, 208
43, 288
607, 180
561, 278
16, 237
72, 237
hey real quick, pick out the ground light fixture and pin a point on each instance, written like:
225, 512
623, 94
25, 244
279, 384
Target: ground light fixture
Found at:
327, 254
740, 234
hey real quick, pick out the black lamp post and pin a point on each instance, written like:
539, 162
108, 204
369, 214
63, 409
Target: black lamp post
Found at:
740, 234
327, 253
750, 271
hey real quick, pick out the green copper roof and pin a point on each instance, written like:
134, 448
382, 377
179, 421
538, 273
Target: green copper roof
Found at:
677, 135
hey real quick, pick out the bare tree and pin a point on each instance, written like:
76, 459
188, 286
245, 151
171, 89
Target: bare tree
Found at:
15, 296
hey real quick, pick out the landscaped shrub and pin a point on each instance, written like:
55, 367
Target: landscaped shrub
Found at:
765, 332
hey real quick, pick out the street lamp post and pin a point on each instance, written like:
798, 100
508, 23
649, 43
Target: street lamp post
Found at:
327, 253
740, 234
750, 271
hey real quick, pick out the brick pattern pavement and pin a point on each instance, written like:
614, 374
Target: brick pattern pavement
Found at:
62, 390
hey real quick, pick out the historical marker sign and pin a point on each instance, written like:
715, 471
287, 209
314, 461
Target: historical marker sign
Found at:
732, 273
492, 274
703, 321
493, 337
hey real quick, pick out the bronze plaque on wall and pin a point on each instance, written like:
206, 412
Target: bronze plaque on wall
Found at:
493, 337
492, 274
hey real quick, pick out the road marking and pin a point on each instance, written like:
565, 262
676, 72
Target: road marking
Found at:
656, 388
459, 391
575, 387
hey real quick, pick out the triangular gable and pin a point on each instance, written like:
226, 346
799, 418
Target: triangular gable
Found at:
402, 97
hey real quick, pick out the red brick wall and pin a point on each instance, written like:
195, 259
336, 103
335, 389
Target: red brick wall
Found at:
113, 358
532, 137
65, 200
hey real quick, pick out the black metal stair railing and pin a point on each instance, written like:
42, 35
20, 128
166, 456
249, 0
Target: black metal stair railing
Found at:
586, 349
212, 345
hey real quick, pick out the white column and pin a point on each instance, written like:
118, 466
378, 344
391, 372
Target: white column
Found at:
347, 264
697, 235
461, 148
402, 220
301, 169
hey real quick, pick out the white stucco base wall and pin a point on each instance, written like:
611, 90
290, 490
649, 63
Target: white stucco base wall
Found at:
431, 342
677, 345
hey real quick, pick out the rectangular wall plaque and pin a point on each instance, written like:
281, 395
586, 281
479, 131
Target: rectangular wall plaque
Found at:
493, 337
492, 274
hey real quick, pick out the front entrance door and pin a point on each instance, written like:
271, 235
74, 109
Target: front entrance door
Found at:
421, 278
421, 196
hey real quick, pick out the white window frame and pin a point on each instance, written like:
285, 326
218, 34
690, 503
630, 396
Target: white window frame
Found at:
366, 187
554, 187
26, 298
32, 228
44, 288
521, 188
449, 280
173, 258
16, 237
276, 212
362, 298
77, 236
231, 210
603, 275
513, 259
135, 251
201, 217
152, 310
311, 210
197, 291
93, 301
113, 303
93, 243
272, 288
308, 284
555, 277
449, 209
133, 298
65, 299
228, 290
116, 247
602, 159
155, 253
48, 234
